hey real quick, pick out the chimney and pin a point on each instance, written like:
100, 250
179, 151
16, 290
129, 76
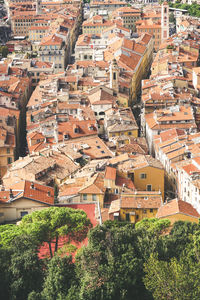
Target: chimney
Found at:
11, 194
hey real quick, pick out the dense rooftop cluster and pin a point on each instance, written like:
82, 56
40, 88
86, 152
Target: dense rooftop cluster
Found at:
93, 124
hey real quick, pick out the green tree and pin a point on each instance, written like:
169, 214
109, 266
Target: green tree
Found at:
59, 277
8, 234
109, 267
4, 51
172, 19
180, 236
193, 9
26, 269
49, 224
4, 274
34, 296
149, 236
173, 280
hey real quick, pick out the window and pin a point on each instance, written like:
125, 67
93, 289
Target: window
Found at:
8, 150
143, 176
116, 216
149, 187
127, 217
84, 196
9, 160
114, 76
66, 136
151, 210
145, 211
76, 130
129, 133
23, 213
94, 197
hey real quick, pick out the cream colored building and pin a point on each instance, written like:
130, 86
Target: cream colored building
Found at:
52, 49
24, 198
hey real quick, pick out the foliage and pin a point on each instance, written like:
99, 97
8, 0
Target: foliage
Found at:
49, 224
109, 267
170, 47
21, 270
151, 260
172, 19
59, 276
173, 280
8, 233
193, 9
4, 274
25, 268
4, 51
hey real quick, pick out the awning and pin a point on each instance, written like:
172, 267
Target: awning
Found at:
116, 214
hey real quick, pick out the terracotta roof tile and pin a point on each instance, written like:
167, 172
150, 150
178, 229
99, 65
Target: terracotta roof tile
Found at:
177, 206
110, 173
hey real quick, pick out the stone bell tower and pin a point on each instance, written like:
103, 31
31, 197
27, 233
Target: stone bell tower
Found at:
164, 21
114, 75
38, 7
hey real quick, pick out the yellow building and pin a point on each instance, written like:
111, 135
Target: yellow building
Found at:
115, 185
127, 15
133, 208
133, 65
24, 198
143, 67
178, 210
7, 156
95, 25
146, 172
52, 49
94, 190
36, 33
120, 122
9, 137
152, 28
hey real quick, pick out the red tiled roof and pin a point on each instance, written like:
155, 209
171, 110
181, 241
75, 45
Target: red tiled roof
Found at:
30, 190
190, 168
110, 173
177, 206
141, 202
127, 182
39, 192
171, 133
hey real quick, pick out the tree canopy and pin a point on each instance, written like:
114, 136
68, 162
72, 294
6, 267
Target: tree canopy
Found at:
151, 260
193, 9
48, 225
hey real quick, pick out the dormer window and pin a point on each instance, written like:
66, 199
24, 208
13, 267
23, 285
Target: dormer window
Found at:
76, 130
66, 136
